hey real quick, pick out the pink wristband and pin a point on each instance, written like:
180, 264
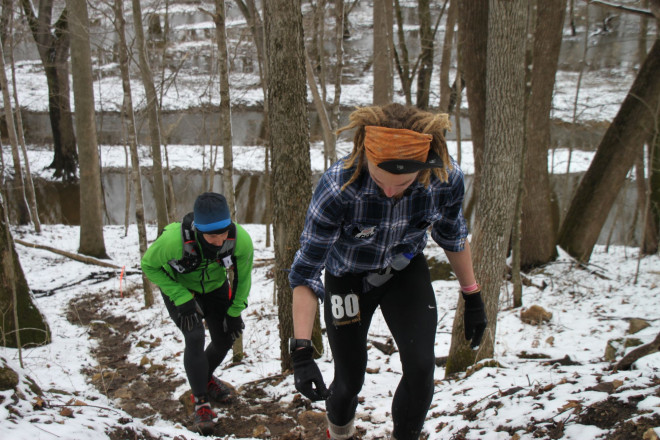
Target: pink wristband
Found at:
470, 288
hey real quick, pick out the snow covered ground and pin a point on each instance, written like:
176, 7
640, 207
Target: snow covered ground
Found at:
589, 306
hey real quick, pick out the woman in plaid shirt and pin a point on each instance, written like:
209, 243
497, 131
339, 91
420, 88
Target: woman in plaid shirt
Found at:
367, 226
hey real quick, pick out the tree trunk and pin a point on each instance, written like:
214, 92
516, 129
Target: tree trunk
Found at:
18, 187
402, 60
326, 130
382, 64
53, 48
8, 23
289, 138
129, 117
339, 67
632, 126
154, 119
225, 106
426, 54
253, 19
91, 209
539, 227
445, 63
472, 43
654, 184
504, 146
27, 325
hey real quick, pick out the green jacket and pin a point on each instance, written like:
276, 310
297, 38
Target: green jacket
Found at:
210, 275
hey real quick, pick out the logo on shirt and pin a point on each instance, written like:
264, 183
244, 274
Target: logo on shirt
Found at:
366, 233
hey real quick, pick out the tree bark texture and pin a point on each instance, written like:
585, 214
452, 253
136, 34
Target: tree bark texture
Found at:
18, 186
53, 48
91, 200
382, 65
129, 117
503, 153
339, 67
255, 22
225, 107
654, 183
7, 22
154, 119
649, 238
289, 138
472, 43
326, 130
401, 56
445, 63
633, 125
33, 328
426, 55
539, 210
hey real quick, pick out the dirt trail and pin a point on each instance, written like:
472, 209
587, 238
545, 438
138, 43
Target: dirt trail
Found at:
147, 393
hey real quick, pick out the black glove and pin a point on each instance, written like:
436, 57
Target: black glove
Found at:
306, 374
190, 315
474, 318
234, 326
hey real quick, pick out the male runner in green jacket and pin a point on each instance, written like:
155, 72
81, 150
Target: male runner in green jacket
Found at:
189, 263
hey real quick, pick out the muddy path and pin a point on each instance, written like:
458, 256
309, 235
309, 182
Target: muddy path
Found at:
147, 393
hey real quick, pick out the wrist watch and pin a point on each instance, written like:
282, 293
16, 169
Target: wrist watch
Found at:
295, 344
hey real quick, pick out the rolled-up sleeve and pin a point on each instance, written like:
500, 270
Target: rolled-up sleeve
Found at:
450, 230
321, 231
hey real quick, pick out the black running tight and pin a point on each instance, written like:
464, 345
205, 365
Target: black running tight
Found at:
408, 304
199, 363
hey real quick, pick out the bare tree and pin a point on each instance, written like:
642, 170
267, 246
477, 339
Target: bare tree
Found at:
653, 218
53, 47
21, 322
504, 145
129, 117
539, 224
225, 106
382, 48
154, 117
91, 209
426, 37
18, 187
472, 44
8, 24
631, 128
319, 104
289, 138
339, 66
401, 57
251, 14
445, 63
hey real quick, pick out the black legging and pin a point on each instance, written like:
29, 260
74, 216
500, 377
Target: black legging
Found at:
408, 304
199, 363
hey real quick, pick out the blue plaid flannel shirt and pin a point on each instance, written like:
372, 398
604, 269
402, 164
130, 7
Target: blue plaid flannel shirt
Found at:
360, 230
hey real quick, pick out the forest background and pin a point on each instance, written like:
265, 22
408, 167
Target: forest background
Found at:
506, 56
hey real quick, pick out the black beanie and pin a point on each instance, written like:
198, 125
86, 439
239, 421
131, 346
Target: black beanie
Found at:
211, 213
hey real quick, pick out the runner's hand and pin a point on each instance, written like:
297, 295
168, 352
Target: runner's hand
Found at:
233, 325
189, 315
474, 318
307, 376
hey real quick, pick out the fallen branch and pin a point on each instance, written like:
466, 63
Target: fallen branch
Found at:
628, 9
639, 352
77, 257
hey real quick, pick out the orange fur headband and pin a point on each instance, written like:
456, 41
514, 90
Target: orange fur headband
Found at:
384, 144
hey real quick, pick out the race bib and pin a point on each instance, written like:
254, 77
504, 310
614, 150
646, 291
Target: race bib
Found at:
345, 308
